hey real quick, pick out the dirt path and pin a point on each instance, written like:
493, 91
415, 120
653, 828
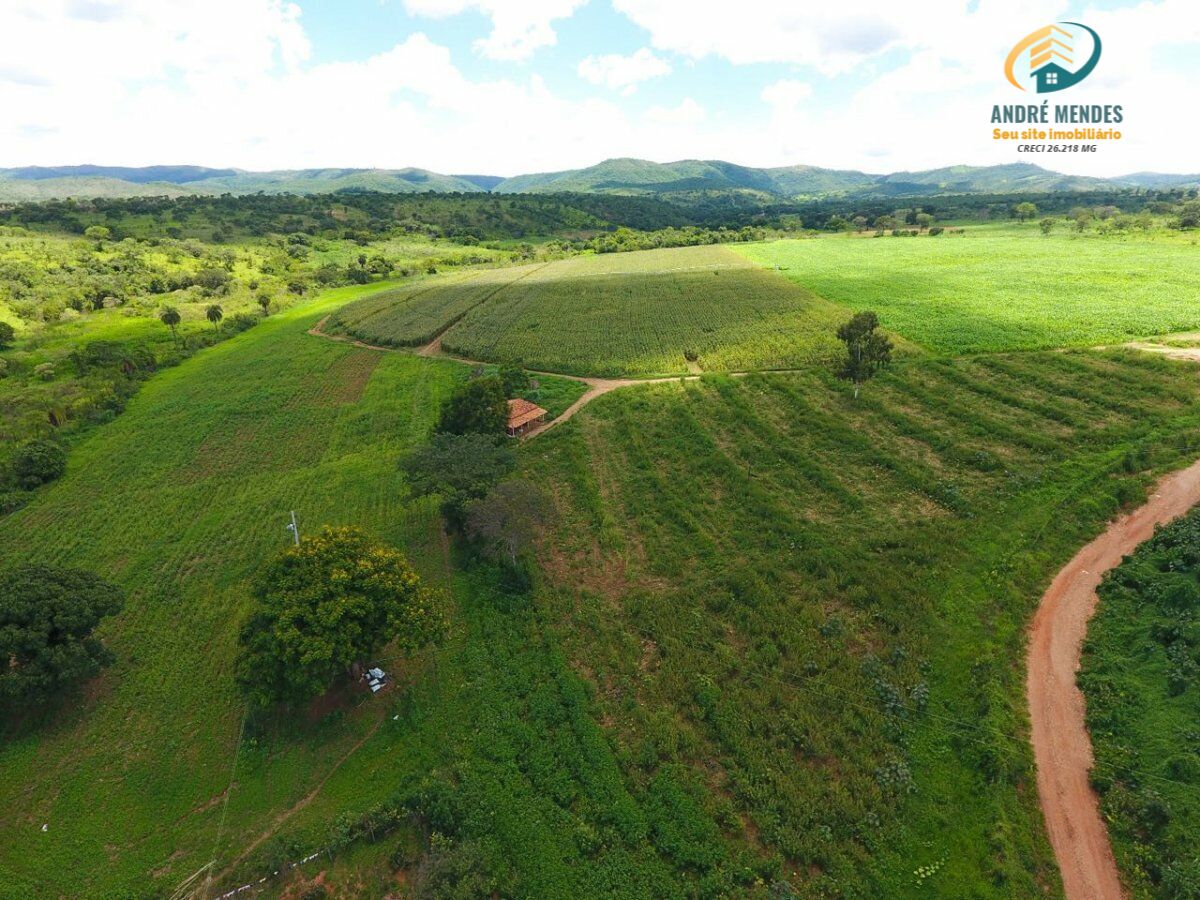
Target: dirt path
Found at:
304, 801
1061, 745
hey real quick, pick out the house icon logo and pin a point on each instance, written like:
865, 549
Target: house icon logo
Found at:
1048, 55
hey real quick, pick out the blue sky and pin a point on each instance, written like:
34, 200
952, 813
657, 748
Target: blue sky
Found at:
509, 86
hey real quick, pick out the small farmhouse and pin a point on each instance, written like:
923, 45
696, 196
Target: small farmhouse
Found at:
523, 416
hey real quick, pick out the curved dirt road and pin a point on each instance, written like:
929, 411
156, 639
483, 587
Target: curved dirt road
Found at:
1061, 745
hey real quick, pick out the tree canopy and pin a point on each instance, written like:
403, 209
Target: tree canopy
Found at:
47, 618
867, 350
335, 600
478, 406
459, 468
505, 521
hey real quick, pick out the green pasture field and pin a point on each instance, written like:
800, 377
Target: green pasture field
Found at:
771, 638
179, 500
1141, 677
154, 772
1004, 287
805, 614
614, 314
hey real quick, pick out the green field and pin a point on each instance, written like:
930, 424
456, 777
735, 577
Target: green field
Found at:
804, 612
772, 642
1003, 287
1141, 677
613, 314
415, 314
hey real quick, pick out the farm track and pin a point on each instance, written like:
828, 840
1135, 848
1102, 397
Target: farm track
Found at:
596, 386
1061, 744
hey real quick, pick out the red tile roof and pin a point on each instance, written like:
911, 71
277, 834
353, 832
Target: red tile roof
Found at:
521, 412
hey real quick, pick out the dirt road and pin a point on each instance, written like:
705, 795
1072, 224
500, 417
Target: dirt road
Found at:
1061, 745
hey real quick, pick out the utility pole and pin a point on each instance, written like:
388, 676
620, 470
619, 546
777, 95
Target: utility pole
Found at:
294, 529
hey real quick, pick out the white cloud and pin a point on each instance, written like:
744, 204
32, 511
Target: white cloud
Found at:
831, 37
786, 94
688, 112
519, 27
623, 73
138, 82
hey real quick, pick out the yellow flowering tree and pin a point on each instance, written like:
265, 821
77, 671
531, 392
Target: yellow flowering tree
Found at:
334, 601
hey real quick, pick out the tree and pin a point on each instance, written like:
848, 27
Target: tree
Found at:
7, 335
458, 468
1047, 225
478, 406
514, 378
47, 616
924, 220
506, 520
170, 317
214, 314
867, 350
38, 462
211, 278
97, 233
264, 301
334, 601
1025, 211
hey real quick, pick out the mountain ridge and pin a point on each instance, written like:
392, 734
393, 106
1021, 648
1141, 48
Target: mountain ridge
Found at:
620, 175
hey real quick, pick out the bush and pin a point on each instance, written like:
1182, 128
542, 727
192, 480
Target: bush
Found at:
38, 462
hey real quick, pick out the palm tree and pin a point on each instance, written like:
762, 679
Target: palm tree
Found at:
215, 314
170, 317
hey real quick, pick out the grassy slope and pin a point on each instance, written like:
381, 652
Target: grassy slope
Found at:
1002, 288
179, 499
615, 314
759, 576
1141, 678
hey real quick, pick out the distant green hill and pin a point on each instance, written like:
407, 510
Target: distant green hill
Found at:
642, 176
612, 176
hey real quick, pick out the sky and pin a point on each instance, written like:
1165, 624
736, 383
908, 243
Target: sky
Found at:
502, 87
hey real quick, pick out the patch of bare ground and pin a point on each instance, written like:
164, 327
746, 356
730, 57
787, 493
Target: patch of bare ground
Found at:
1061, 744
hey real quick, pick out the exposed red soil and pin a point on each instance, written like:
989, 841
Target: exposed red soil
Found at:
1061, 745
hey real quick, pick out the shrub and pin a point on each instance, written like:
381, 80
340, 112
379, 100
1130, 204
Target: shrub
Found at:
38, 462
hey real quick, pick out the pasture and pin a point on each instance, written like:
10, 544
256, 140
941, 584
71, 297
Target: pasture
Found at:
1003, 287
803, 611
613, 314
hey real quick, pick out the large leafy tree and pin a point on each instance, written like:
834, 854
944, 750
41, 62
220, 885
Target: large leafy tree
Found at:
478, 406
458, 468
334, 601
867, 350
47, 618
